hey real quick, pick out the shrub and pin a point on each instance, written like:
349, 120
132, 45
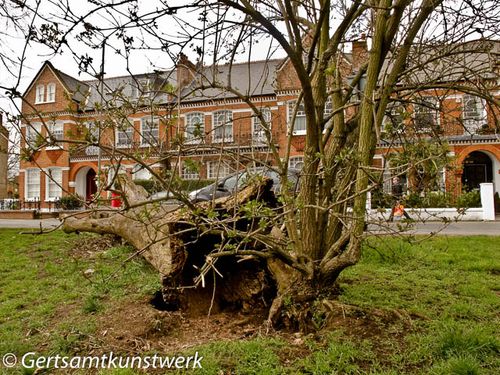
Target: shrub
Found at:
438, 200
469, 199
414, 200
70, 202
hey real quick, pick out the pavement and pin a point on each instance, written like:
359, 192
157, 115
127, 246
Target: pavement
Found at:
24, 223
461, 228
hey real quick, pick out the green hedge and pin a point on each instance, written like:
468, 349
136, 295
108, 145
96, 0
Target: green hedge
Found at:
430, 200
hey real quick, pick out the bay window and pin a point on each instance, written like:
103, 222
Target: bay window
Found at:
195, 127
258, 131
299, 123
32, 184
53, 179
149, 131
223, 126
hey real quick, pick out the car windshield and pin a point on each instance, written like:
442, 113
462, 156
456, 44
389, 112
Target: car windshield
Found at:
231, 182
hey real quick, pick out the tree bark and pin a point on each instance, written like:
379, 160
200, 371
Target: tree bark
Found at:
166, 236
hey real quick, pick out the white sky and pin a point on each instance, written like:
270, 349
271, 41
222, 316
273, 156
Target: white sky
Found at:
140, 62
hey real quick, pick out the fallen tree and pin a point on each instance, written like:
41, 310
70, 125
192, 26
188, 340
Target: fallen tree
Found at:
185, 245
327, 106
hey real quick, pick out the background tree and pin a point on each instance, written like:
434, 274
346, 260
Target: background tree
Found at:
306, 241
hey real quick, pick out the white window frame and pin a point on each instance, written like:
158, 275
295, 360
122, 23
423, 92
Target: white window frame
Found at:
128, 136
188, 174
194, 121
56, 130
40, 94
134, 90
474, 120
296, 160
222, 126
51, 93
218, 169
53, 184
33, 131
32, 179
327, 113
299, 125
258, 131
151, 135
144, 88
419, 109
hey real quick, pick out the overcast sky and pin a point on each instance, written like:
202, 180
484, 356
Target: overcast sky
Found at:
13, 44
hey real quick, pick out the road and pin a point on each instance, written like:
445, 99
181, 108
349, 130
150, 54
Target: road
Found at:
466, 228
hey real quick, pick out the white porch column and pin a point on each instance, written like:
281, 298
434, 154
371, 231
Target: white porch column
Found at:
487, 201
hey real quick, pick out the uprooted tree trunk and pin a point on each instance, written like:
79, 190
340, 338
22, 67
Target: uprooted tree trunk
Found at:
179, 242
212, 256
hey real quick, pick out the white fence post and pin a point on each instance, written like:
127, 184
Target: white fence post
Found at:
487, 201
368, 204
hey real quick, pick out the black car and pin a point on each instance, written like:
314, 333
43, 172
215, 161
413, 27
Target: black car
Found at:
236, 181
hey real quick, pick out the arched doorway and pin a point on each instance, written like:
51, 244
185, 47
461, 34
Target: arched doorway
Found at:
91, 186
85, 183
477, 168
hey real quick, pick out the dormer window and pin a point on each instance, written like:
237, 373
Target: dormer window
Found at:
51, 92
40, 97
40, 94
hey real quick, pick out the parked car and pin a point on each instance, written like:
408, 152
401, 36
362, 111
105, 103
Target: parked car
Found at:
236, 181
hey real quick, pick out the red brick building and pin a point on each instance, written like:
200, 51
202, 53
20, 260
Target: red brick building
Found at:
143, 116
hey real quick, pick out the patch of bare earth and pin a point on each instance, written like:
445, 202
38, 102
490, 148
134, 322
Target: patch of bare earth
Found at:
136, 327
88, 246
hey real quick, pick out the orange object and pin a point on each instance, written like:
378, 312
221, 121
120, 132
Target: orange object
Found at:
399, 210
116, 201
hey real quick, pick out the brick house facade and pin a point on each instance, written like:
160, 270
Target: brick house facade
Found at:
58, 107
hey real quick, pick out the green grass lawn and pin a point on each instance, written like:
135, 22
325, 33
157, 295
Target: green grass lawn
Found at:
443, 295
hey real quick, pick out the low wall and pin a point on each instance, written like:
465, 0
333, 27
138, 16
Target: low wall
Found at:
433, 214
19, 214
26, 214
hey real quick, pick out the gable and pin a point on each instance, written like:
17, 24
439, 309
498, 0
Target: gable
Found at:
55, 95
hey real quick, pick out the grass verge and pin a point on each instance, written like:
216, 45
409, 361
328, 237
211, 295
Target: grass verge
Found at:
443, 293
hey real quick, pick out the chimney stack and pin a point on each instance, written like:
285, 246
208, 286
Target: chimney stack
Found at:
359, 52
185, 71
